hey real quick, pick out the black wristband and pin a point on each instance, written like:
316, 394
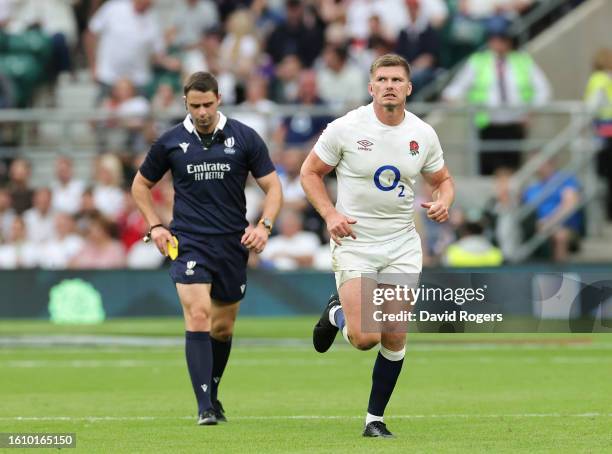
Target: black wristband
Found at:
155, 226
147, 237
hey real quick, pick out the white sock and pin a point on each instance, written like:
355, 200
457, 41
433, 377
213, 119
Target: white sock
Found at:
332, 313
345, 334
371, 418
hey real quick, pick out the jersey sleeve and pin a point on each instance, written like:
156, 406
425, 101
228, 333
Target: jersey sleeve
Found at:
260, 163
156, 163
435, 159
328, 146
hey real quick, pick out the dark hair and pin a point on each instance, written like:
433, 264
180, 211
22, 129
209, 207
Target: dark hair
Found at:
201, 81
390, 60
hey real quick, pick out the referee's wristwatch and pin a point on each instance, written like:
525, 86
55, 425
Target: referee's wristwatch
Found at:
147, 237
267, 223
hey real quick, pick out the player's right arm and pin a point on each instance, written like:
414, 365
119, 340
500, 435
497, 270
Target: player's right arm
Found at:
311, 176
141, 193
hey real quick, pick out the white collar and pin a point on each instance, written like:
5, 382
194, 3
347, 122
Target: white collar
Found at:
188, 124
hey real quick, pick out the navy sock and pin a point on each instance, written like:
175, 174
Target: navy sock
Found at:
220, 354
199, 362
384, 377
339, 319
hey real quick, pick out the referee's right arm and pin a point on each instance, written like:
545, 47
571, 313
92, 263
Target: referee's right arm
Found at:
141, 192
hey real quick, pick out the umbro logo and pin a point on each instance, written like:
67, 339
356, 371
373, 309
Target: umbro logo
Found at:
364, 145
190, 266
184, 146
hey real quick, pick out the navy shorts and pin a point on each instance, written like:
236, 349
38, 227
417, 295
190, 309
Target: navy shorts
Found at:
220, 260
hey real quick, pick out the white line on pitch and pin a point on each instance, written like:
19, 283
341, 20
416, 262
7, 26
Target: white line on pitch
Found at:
307, 417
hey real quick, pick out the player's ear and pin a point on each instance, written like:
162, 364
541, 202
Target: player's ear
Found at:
370, 89
185, 101
409, 89
219, 99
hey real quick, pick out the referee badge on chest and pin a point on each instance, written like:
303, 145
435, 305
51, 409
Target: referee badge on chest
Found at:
229, 146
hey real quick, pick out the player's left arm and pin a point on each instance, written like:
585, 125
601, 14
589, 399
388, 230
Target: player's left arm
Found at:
256, 237
443, 194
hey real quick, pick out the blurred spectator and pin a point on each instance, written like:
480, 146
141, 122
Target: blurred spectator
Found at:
87, 208
435, 236
500, 78
472, 249
340, 82
191, 18
19, 252
57, 20
290, 164
302, 128
285, 83
292, 248
300, 34
598, 96
132, 225
207, 57
499, 212
57, 252
563, 196
239, 48
485, 9
39, 219
393, 16
128, 112
166, 104
418, 43
19, 185
100, 250
7, 214
66, 191
259, 111
107, 193
123, 40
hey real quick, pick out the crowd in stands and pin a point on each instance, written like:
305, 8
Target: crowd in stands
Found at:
265, 53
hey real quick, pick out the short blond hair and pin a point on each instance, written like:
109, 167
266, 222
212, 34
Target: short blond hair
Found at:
390, 60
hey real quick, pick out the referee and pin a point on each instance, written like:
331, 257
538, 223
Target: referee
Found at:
210, 157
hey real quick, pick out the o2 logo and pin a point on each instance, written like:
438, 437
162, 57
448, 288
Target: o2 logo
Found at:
394, 184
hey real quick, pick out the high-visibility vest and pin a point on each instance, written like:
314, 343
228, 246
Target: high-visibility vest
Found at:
601, 80
459, 257
521, 65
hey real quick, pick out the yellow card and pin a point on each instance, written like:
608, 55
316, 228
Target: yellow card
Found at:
173, 250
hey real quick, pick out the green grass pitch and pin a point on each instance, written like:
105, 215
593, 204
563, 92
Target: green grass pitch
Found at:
490, 393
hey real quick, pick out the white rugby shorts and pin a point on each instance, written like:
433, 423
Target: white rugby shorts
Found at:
395, 262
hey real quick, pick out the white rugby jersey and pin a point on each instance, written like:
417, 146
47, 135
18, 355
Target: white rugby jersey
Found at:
377, 166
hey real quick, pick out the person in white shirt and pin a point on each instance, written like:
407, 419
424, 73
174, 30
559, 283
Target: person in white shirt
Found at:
377, 152
66, 191
57, 252
39, 218
292, 248
19, 252
340, 81
123, 39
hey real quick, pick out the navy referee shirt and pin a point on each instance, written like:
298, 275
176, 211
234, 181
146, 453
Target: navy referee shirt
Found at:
208, 182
